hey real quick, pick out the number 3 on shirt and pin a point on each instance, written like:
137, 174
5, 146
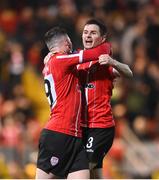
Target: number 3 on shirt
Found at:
50, 89
90, 142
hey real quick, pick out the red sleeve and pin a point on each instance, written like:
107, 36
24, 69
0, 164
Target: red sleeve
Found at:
83, 55
94, 53
111, 72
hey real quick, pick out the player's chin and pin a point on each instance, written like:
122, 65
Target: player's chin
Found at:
88, 46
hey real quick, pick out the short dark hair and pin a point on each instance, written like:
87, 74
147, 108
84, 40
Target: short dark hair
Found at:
52, 35
102, 26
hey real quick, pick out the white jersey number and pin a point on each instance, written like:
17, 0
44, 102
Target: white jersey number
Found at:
90, 142
50, 90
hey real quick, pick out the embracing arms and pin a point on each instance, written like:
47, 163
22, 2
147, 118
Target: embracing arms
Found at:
119, 68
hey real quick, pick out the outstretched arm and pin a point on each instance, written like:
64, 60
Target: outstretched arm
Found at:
120, 68
84, 55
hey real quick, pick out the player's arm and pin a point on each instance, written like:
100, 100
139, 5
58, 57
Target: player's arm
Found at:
84, 55
119, 68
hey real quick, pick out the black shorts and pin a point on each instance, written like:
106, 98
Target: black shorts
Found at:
61, 154
98, 142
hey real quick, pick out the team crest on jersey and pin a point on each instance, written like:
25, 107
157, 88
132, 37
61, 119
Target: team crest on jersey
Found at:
54, 161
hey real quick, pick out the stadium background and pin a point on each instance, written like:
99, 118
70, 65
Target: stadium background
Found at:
134, 33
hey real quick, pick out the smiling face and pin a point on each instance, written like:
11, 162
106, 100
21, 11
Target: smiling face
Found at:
91, 36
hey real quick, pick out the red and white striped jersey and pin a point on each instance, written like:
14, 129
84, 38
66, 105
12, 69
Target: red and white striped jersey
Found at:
96, 109
63, 90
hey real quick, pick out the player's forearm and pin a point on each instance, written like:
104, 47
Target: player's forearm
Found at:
123, 69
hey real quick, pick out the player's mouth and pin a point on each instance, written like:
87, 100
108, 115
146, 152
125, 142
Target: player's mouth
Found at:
89, 42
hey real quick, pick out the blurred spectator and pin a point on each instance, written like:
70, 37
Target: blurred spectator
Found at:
8, 21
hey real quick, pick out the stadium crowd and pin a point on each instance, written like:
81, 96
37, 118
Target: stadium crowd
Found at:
133, 27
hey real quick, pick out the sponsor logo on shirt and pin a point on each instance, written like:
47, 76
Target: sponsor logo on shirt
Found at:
90, 86
54, 161
90, 150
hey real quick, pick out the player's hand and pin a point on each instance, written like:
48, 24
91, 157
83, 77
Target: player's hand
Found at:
105, 59
47, 57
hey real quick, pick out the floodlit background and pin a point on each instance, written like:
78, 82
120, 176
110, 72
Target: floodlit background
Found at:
134, 33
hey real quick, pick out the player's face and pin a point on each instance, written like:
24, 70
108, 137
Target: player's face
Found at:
66, 45
91, 36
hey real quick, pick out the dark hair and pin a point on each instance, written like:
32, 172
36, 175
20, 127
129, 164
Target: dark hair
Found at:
102, 26
52, 35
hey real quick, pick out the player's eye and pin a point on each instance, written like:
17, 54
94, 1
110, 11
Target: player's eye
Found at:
94, 32
85, 32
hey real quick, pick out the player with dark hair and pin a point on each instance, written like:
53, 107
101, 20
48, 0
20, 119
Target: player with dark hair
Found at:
97, 80
61, 152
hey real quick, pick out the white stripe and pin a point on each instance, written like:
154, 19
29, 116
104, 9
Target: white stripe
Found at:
77, 118
53, 90
86, 94
86, 113
67, 56
90, 64
94, 104
81, 56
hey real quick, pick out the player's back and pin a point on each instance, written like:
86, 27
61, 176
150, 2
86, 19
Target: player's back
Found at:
63, 93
